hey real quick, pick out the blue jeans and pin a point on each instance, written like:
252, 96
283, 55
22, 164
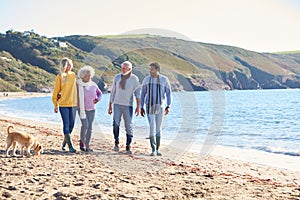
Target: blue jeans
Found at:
126, 112
86, 128
155, 123
68, 115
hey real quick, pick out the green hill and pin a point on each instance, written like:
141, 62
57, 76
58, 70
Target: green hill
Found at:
17, 76
189, 65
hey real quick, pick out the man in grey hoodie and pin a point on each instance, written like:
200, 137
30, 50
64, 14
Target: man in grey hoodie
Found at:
125, 85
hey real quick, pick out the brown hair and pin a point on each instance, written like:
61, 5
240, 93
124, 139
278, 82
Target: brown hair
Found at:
155, 65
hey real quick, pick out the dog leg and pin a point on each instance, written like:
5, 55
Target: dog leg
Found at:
14, 149
28, 151
22, 151
7, 148
39, 150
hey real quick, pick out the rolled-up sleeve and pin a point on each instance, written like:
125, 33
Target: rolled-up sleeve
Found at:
137, 91
143, 93
168, 92
99, 94
113, 91
56, 91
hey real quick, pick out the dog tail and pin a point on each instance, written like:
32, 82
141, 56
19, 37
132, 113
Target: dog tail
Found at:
8, 129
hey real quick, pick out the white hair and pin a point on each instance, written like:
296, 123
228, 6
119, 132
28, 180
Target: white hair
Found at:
82, 72
128, 64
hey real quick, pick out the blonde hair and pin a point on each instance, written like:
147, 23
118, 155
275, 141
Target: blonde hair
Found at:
64, 64
82, 72
63, 67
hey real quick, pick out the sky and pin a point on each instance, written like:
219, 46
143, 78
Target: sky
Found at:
257, 25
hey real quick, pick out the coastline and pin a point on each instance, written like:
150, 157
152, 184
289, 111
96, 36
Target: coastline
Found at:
9, 95
267, 159
105, 174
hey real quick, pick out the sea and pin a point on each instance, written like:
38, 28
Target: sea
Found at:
261, 126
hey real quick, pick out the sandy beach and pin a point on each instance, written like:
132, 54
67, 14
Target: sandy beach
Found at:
105, 174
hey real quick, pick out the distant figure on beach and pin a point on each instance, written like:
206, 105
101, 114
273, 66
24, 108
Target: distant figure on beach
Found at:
89, 94
156, 92
125, 85
65, 98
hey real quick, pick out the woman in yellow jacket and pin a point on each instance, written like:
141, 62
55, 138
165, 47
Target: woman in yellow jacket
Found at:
64, 99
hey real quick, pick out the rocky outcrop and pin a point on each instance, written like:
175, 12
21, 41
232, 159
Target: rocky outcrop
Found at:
259, 79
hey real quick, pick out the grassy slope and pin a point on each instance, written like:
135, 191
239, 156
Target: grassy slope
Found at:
106, 53
16, 75
201, 60
205, 56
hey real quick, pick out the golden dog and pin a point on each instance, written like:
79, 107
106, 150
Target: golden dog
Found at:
24, 139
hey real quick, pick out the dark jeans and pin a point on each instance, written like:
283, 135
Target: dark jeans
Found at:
68, 115
126, 112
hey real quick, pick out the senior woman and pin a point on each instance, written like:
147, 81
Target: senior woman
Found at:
89, 94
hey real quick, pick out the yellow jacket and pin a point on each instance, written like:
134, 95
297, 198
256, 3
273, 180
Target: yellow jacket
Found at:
67, 91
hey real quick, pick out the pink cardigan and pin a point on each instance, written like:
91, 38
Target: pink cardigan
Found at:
90, 94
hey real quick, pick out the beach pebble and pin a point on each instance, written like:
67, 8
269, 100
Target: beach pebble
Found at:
40, 190
199, 183
12, 187
79, 184
6, 194
60, 195
66, 185
199, 193
97, 196
30, 181
156, 187
96, 186
125, 180
208, 176
41, 174
122, 196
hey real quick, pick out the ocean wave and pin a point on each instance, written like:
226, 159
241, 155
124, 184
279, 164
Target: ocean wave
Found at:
277, 150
